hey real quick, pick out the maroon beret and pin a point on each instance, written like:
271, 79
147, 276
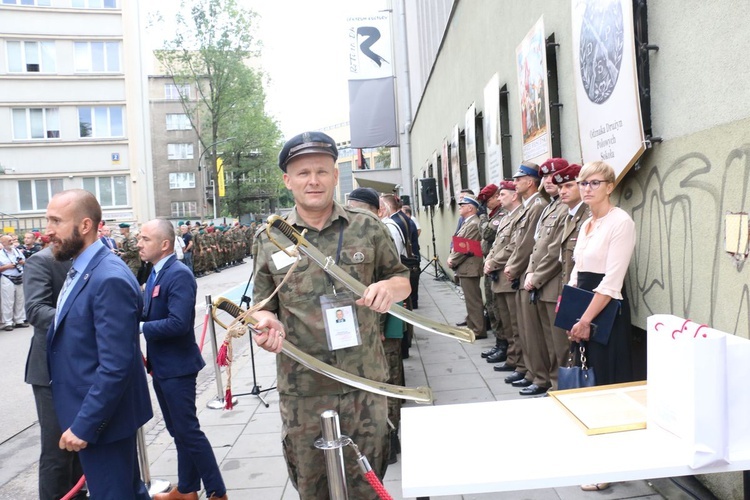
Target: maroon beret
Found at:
567, 174
487, 192
509, 185
553, 165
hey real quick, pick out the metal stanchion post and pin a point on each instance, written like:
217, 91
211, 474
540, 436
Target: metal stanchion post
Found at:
154, 485
218, 402
332, 445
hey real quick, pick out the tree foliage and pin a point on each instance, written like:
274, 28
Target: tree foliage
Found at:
212, 51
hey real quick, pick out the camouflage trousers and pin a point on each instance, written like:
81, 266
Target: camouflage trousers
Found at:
392, 349
489, 306
363, 418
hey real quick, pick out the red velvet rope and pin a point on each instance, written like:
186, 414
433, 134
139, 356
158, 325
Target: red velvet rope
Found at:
75, 489
377, 486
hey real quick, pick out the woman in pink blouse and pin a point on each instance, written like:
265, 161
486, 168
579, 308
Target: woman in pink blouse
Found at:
602, 254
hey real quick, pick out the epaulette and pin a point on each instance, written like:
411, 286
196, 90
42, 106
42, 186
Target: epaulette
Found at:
261, 229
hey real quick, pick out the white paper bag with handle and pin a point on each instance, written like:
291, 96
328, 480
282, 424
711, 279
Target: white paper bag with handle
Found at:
687, 386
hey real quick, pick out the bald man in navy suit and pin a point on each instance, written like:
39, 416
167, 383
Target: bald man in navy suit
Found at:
98, 380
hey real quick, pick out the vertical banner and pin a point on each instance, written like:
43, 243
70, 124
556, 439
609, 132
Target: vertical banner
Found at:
372, 100
491, 125
445, 162
531, 64
220, 188
455, 162
470, 129
435, 169
606, 82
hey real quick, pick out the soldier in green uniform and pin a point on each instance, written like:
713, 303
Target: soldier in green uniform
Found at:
361, 245
129, 249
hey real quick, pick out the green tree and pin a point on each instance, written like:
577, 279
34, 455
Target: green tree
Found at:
210, 51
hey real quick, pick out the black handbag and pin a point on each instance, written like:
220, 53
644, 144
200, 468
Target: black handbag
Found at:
575, 377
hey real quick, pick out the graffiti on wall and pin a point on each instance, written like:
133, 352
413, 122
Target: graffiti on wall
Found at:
681, 265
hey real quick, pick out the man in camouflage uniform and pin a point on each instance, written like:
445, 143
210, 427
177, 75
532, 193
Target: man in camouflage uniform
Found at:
366, 253
129, 249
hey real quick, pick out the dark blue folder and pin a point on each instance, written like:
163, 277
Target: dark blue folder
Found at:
574, 302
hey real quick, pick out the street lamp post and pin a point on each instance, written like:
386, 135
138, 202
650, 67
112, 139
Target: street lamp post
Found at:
200, 159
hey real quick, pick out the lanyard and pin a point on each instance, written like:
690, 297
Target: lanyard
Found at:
338, 253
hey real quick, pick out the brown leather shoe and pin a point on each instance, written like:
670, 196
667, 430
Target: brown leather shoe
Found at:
175, 494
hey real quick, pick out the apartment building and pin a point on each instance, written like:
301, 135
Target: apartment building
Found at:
176, 152
73, 112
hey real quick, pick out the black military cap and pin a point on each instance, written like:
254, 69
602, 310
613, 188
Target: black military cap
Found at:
306, 143
366, 195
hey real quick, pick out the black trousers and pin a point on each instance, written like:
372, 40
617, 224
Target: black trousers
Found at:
59, 470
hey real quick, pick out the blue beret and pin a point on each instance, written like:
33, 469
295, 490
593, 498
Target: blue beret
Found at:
306, 143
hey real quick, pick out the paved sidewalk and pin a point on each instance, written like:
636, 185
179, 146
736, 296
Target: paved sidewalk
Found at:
247, 443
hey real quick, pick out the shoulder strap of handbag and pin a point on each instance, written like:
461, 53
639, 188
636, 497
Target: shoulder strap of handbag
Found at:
407, 245
391, 222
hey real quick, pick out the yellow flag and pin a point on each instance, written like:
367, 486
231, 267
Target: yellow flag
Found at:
220, 176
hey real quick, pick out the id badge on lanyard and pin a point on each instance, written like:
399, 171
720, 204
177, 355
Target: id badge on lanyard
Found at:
340, 318
340, 313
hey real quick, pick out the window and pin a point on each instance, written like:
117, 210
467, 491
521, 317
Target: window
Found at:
179, 151
95, 4
182, 180
174, 92
178, 121
40, 3
31, 57
101, 122
36, 123
97, 57
184, 209
110, 191
35, 194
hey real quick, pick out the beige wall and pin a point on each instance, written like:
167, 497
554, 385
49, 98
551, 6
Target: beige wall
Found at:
684, 187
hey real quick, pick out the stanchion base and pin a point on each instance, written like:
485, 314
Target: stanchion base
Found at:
159, 486
218, 404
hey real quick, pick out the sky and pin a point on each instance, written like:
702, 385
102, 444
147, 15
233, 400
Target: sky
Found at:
304, 55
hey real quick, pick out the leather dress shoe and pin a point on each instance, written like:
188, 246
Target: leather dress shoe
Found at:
489, 352
462, 323
524, 382
514, 376
175, 494
533, 390
500, 356
504, 367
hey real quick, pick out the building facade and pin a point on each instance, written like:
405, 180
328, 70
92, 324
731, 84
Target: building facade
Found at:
685, 194
178, 178
72, 108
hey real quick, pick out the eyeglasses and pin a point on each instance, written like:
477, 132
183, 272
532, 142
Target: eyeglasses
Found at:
594, 184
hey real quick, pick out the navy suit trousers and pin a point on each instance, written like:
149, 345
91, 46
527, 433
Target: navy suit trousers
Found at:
112, 471
195, 458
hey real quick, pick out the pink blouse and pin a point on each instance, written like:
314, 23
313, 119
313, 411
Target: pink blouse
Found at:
607, 250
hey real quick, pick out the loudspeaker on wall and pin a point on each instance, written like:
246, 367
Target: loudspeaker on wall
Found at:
428, 191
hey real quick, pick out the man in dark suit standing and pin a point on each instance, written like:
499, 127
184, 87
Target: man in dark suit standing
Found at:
175, 360
59, 470
98, 382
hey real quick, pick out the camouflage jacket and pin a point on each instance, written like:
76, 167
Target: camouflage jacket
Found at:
367, 254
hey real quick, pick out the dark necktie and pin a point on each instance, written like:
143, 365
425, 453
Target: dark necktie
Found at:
68, 280
150, 286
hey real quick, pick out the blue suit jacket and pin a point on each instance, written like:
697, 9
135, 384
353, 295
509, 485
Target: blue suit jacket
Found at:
169, 318
98, 381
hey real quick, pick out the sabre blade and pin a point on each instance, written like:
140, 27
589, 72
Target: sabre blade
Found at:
417, 394
457, 333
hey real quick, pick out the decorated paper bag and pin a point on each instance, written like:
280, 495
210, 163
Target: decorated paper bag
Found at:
687, 386
738, 397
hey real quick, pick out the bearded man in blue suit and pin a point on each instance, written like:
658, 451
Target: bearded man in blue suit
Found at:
98, 381
174, 360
